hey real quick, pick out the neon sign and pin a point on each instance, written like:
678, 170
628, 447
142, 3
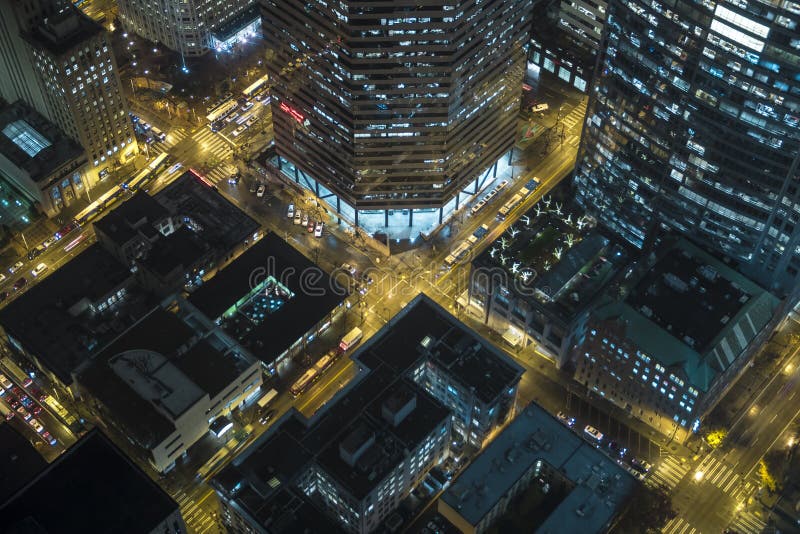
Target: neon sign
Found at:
296, 115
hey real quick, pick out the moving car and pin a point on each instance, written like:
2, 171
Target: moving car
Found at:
35, 252
23, 413
290, 211
48, 438
349, 269
37, 426
266, 417
569, 421
260, 191
593, 432
16, 267
318, 229
39, 269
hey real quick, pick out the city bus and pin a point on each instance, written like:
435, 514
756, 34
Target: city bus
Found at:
508, 206
255, 86
303, 383
459, 252
223, 110
350, 340
145, 174
323, 363
267, 398
158, 134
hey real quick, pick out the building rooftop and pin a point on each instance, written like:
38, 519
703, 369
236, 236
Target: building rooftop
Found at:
93, 483
553, 258
155, 371
53, 319
20, 460
687, 295
136, 215
222, 225
60, 33
34, 144
600, 488
690, 311
267, 315
425, 330
180, 249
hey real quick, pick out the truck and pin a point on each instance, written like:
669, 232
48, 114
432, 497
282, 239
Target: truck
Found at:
267, 398
350, 340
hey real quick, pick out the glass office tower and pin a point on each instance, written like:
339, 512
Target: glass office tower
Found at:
695, 125
384, 106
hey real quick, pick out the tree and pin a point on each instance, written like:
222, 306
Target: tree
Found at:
649, 509
767, 480
715, 438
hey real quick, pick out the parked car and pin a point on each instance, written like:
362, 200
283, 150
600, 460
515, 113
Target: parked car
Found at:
349, 269
593, 432
19, 284
238, 131
290, 211
16, 267
298, 216
260, 191
305, 220
267, 417
318, 229
49, 241
35, 252
311, 225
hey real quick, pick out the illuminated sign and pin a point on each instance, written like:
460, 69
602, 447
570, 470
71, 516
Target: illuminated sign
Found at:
296, 115
202, 178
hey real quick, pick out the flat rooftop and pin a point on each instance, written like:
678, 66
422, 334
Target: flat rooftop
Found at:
268, 327
222, 225
684, 294
61, 32
600, 490
92, 483
136, 215
160, 352
34, 144
20, 460
553, 258
452, 346
51, 321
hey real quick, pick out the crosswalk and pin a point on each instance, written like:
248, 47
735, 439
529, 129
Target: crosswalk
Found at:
575, 116
747, 523
197, 519
678, 525
721, 475
669, 472
219, 173
213, 143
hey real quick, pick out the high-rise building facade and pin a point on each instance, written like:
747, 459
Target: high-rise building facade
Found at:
394, 106
695, 125
20, 80
83, 93
190, 28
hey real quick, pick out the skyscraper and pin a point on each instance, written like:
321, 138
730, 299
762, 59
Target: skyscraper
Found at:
60, 63
191, 28
695, 125
78, 73
19, 80
399, 106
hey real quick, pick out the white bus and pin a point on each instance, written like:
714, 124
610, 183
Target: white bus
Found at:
158, 134
303, 383
350, 340
508, 206
267, 398
323, 363
458, 253
222, 110
255, 86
